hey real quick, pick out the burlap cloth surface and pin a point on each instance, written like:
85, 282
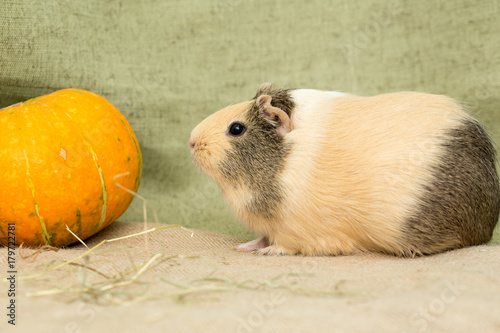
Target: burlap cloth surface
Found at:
194, 282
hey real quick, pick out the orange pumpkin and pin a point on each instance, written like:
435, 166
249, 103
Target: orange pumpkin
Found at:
69, 158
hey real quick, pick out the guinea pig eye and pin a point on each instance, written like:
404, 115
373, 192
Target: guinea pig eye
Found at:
237, 129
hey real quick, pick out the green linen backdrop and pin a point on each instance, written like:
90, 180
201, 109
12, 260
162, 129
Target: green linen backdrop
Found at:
167, 64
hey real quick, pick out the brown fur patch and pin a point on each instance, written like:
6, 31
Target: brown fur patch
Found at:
461, 205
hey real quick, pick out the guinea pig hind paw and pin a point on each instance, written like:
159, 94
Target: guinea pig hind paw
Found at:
272, 250
253, 245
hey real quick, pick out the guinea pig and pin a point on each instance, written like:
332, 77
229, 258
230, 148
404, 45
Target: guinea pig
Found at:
327, 173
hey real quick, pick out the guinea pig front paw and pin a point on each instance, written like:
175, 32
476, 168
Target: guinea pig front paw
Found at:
253, 245
273, 250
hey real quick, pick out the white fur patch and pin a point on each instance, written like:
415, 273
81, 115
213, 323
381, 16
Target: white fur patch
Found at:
310, 101
308, 134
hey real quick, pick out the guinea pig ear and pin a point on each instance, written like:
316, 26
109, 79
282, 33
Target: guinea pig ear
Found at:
275, 116
265, 88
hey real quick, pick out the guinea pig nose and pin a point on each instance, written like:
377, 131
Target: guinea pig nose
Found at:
192, 144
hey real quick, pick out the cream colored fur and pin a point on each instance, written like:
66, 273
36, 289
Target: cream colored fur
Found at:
211, 140
354, 173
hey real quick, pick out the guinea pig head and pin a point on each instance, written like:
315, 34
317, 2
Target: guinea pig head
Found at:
244, 146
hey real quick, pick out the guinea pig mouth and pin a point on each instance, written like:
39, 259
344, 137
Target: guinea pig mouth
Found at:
195, 161
194, 152
198, 156
201, 157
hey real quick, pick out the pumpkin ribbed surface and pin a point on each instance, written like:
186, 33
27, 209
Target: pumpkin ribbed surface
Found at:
69, 158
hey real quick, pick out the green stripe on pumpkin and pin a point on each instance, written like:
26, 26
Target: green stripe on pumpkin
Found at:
78, 221
45, 234
139, 159
104, 192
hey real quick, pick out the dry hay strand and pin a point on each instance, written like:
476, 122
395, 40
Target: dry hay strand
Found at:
34, 255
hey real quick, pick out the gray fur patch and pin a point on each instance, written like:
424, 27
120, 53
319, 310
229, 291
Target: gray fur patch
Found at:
461, 205
257, 158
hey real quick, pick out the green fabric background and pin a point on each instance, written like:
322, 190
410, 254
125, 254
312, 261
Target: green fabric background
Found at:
168, 64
